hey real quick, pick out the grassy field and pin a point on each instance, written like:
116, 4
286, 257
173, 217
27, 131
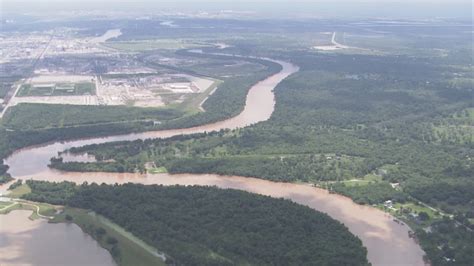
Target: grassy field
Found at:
144, 45
158, 170
362, 182
191, 104
39, 116
418, 208
132, 251
4, 204
44, 209
224, 68
403, 212
5, 87
58, 89
19, 191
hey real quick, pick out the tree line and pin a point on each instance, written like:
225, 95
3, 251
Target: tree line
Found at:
209, 226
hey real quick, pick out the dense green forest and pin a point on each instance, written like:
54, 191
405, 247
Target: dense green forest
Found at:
446, 242
4, 176
210, 226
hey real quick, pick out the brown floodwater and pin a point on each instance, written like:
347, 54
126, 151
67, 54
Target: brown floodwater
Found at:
27, 242
387, 242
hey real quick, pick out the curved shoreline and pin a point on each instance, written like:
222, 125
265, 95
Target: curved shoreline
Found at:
387, 242
52, 244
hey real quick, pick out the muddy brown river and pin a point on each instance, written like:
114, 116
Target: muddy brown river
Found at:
387, 242
27, 242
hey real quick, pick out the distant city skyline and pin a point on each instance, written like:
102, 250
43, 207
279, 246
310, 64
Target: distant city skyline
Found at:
335, 8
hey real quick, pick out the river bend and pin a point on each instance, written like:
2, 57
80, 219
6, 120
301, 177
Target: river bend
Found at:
387, 242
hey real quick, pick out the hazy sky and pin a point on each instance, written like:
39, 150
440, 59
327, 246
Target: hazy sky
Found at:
344, 8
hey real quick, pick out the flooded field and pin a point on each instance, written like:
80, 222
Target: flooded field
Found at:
27, 242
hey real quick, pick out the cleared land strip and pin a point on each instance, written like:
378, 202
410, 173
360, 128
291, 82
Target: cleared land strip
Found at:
9, 104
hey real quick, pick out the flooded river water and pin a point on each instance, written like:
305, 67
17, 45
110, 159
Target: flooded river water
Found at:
387, 242
27, 242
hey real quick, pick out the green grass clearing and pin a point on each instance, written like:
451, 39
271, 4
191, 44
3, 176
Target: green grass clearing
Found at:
418, 208
57, 89
44, 209
19, 191
412, 207
192, 104
4, 204
144, 45
370, 178
158, 170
